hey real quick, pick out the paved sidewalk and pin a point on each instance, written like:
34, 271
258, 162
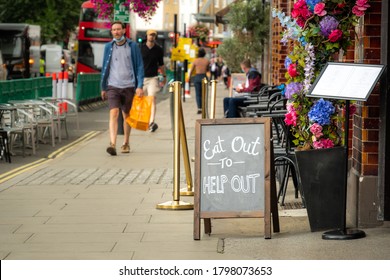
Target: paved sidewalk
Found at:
85, 204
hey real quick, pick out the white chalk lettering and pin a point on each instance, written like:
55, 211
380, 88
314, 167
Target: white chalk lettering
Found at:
210, 152
239, 145
226, 161
238, 183
221, 186
214, 184
207, 184
218, 184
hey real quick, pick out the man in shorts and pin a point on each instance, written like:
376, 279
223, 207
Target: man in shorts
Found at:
122, 77
152, 55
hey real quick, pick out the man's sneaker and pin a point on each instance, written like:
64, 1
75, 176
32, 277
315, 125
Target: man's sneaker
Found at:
125, 148
111, 150
153, 127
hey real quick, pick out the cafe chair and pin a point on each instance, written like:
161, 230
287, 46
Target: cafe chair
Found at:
4, 146
284, 155
20, 126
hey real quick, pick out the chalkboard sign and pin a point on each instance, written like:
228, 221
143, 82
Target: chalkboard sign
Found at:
232, 169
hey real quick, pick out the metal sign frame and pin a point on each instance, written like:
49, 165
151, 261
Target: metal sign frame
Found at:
346, 81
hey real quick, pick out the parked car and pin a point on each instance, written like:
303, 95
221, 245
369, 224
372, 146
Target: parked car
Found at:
3, 68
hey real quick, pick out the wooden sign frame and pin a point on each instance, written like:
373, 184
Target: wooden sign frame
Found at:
270, 200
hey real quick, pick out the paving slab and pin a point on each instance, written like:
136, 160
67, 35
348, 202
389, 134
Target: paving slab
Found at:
85, 204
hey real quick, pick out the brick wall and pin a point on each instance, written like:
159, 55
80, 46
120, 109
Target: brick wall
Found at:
279, 51
365, 139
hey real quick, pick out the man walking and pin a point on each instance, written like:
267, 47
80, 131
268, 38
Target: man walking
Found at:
122, 77
152, 55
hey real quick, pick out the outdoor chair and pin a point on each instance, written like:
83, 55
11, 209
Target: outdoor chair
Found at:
20, 127
284, 155
263, 105
4, 146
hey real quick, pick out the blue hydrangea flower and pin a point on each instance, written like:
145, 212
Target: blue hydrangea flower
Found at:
321, 112
302, 41
287, 62
282, 87
327, 25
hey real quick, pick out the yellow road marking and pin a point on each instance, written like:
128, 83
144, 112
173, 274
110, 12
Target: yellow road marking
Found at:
17, 171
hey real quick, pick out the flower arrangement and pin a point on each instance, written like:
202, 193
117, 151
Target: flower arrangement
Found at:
199, 31
319, 29
144, 8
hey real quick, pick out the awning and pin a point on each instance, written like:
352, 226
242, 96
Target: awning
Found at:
219, 16
213, 44
204, 18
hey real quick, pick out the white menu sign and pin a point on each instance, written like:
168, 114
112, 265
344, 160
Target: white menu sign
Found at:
347, 81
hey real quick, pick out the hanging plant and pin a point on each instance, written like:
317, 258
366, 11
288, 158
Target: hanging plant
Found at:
199, 31
144, 8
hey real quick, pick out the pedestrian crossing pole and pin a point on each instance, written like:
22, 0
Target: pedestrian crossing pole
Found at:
176, 204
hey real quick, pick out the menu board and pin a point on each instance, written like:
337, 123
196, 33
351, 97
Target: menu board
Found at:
346, 81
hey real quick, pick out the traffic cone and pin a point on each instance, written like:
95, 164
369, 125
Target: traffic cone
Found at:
187, 90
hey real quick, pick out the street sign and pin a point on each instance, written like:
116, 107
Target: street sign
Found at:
121, 11
178, 54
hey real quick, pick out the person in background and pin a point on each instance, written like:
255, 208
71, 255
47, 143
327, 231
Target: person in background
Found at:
220, 65
253, 83
153, 56
122, 76
225, 75
213, 69
200, 65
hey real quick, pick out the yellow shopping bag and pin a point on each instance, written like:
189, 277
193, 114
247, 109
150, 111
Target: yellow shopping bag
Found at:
140, 112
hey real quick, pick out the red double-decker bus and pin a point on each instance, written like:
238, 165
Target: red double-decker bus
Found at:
93, 33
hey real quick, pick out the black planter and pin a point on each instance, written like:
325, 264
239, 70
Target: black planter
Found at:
323, 174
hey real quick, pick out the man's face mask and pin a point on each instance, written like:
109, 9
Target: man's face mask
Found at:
120, 39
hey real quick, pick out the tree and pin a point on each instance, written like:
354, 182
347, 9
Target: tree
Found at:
57, 19
249, 22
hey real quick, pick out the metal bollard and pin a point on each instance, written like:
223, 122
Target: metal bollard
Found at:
213, 97
204, 97
176, 204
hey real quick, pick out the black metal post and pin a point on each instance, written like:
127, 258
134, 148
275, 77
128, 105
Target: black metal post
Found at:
344, 233
174, 45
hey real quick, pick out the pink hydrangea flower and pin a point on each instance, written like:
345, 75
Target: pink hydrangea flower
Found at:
360, 7
292, 70
319, 9
323, 144
316, 129
335, 35
291, 115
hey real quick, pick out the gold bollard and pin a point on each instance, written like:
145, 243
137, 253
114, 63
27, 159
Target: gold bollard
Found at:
213, 98
176, 204
204, 98
183, 138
